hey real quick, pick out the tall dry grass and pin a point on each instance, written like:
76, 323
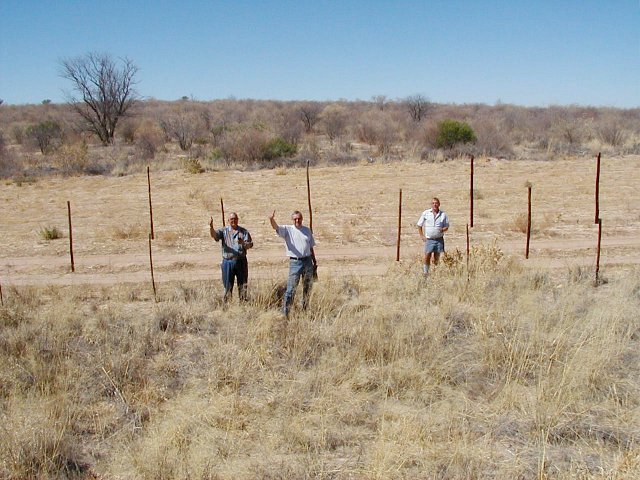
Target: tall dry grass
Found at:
494, 372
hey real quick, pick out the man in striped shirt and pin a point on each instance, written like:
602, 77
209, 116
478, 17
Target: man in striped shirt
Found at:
235, 242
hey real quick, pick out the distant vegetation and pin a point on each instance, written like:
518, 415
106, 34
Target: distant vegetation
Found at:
49, 138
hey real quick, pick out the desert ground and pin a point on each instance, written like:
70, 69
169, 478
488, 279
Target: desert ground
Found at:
355, 217
504, 367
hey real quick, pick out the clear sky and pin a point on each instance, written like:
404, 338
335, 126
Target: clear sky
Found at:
525, 52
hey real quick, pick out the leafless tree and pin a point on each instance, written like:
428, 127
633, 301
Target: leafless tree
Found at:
417, 106
104, 91
334, 120
380, 101
183, 125
309, 113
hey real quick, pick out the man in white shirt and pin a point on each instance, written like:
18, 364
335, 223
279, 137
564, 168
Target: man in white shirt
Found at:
431, 227
299, 244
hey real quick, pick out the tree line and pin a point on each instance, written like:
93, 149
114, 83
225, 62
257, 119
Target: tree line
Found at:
105, 109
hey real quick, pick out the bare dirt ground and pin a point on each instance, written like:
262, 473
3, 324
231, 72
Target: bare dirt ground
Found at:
355, 218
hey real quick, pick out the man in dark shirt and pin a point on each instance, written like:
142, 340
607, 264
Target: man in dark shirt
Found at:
235, 243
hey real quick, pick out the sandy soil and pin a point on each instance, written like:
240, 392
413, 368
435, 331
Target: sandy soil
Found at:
355, 218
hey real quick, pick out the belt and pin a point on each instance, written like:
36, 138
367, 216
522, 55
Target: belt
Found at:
298, 258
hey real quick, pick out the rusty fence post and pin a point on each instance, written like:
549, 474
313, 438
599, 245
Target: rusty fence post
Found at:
399, 227
597, 217
468, 254
309, 199
150, 207
471, 194
153, 281
526, 255
598, 251
73, 267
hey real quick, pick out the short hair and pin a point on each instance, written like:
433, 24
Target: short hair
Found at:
297, 212
436, 199
233, 213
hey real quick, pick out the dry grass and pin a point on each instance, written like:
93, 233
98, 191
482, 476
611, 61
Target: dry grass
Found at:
498, 372
501, 370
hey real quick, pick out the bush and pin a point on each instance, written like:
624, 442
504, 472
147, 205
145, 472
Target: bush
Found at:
278, 148
46, 135
50, 233
8, 163
73, 158
192, 165
451, 133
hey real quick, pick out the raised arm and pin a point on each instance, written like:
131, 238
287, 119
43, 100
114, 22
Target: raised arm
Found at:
272, 219
212, 230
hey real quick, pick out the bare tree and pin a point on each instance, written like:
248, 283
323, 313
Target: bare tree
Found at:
183, 125
380, 101
309, 113
417, 106
105, 91
334, 120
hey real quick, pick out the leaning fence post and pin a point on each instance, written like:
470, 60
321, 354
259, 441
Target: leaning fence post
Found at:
73, 267
153, 282
597, 218
399, 227
526, 255
1, 298
222, 210
150, 207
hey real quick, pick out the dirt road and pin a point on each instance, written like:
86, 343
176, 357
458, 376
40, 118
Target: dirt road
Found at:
270, 262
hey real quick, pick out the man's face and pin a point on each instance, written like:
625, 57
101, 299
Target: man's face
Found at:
297, 220
435, 205
233, 221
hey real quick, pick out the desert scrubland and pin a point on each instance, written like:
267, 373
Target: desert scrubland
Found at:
502, 367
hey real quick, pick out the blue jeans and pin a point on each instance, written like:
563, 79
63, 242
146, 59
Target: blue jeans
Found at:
298, 268
236, 268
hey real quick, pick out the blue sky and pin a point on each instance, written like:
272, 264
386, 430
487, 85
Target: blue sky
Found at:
532, 53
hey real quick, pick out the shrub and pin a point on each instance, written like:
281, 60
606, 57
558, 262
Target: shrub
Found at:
50, 233
278, 148
611, 133
243, 145
451, 133
192, 165
73, 158
46, 135
8, 163
149, 139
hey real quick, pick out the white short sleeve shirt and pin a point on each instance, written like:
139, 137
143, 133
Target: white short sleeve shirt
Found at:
298, 241
433, 224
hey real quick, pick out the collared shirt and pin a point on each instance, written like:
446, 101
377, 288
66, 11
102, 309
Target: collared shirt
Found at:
230, 247
298, 241
433, 224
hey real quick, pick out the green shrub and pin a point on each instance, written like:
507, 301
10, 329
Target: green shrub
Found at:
50, 233
193, 165
46, 135
278, 148
451, 133
216, 154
